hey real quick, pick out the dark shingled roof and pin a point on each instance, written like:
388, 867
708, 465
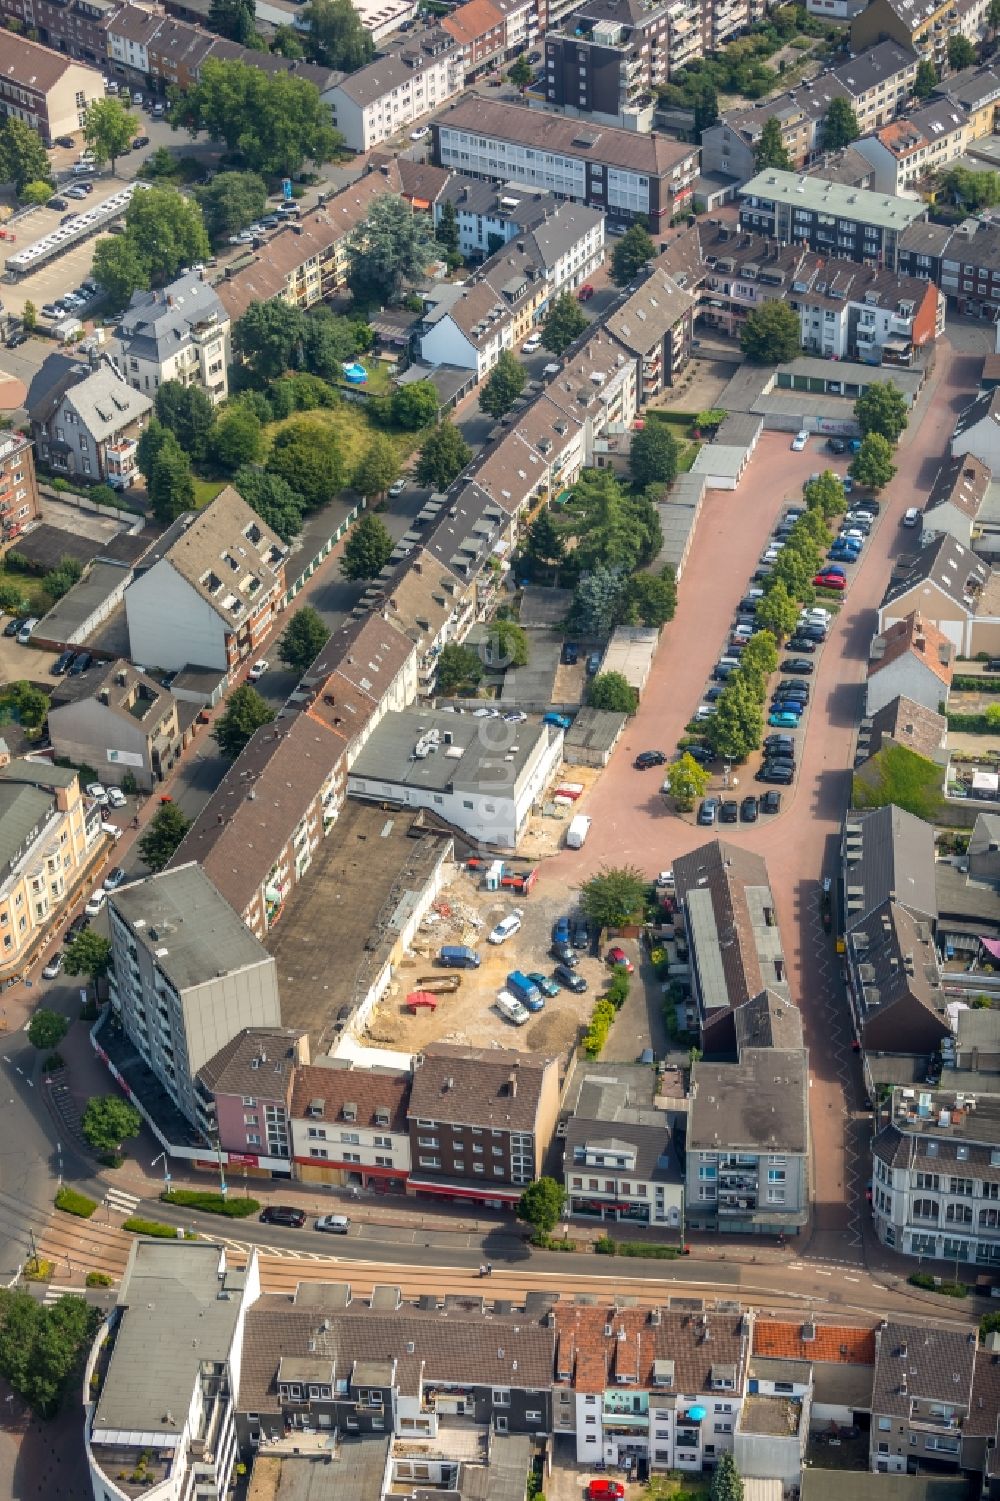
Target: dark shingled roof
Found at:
494, 1087
937, 1365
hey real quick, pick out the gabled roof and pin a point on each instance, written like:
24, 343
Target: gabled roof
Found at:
835, 1343
945, 563
368, 1097
888, 854
910, 724
651, 312
226, 554
155, 325
257, 1061
903, 998
50, 383
922, 1362
961, 482
105, 403
658, 1349
494, 1087
918, 639
472, 20
768, 1021
39, 69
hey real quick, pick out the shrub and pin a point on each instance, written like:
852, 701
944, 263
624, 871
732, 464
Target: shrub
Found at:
605, 1246
649, 1252
72, 1202
139, 1226
53, 1063
210, 1203
935, 1285
37, 1269
100, 1279
596, 1034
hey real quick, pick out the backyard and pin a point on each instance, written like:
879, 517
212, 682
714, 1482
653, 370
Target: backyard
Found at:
353, 429
679, 425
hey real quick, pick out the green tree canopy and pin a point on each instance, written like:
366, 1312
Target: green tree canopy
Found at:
614, 896
303, 638
244, 714
23, 158
230, 202
274, 500
505, 384
47, 1029
188, 413
650, 598
759, 657
236, 439
610, 528
506, 645
737, 727
772, 334
872, 465
166, 829
961, 53
840, 125
825, 494
726, 1482
367, 549
443, 456
653, 456
377, 467
337, 36
415, 405
687, 782
42, 1347
275, 122
770, 150
234, 19
541, 1204
88, 954
269, 337
167, 229
329, 342
633, 251
564, 322
448, 235
458, 667
119, 268
778, 611
108, 128
392, 249
169, 483
611, 690
926, 79
544, 548
107, 1122
306, 454
519, 73
882, 409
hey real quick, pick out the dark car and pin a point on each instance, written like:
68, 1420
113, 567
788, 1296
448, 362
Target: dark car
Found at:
570, 653
774, 743
721, 673
812, 632
701, 754
78, 925
563, 954
771, 802
782, 774
67, 218
81, 662
709, 808
645, 759
711, 694
569, 979
137, 145
790, 686
729, 812
61, 664
802, 643
65, 141
749, 809
58, 204
13, 626
786, 696
837, 445
593, 664
581, 931
748, 606
283, 1214
16, 340
560, 930
798, 665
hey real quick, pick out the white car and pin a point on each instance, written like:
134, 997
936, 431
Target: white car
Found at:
531, 344
799, 441
117, 798
97, 792
705, 711
257, 671
486, 713
816, 615
96, 902
507, 926
510, 1007
665, 878
398, 487
911, 516
421, 133
53, 967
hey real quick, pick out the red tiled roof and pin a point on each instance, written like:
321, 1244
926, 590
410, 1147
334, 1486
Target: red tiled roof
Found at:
837, 1343
472, 20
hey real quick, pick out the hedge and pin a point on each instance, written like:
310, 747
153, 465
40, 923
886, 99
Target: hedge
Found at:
935, 1285
605, 1246
75, 1203
100, 1279
972, 724
209, 1203
976, 685
153, 1227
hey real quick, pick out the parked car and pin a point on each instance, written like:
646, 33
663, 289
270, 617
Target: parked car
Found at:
783, 719
778, 743
333, 1224
911, 516
569, 979
701, 754
646, 759
548, 987
397, 488
510, 1007
837, 445
801, 643
749, 809
79, 925
283, 1214
117, 798
581, 930
708, 810
531, 344
61, 664
563, 953
137, 144
560, 721
97, 791
17, 338
604, 1489
618, 959
776, 772
507, 926
515, 716
560, 930
421, 133
53, 310
570, 653
82, 663
585, 293
835, 581
801, 666
799, 441
53, 967
593, 664
771, 802
729, 812
114, 878
96, 902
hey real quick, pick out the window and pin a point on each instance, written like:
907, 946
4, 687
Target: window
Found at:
429, 1161
248, 1099
352, 1138
501, 1396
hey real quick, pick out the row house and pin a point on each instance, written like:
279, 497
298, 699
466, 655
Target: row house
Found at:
977, 91
911, 151
378, 101
127, 725
479, 30
954, 590
922, 1397
245, 1092
620, 1160
964, 262
210, 590
472, 536
349, 1127
19, 503
955, 501
828, 216
523, 22
45, 89
87, 422
489, 216
656, 326
420, 598
470, 325
912, 659
77, 29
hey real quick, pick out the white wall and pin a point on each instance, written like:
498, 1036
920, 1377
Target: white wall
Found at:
170, 625
445, 344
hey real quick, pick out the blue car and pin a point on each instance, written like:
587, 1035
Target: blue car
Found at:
844, 552
784, 720
560, 930
838, 571
560, 721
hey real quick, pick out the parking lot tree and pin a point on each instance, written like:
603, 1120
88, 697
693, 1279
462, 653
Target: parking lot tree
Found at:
307, 455
651, 598
825, 494
506, 645
613, 896
273, 498
391, 251
612, 690
169, 483
415, 406
881, 408
236, 439
771, 334
303, 638
653, 456
726, 1482
231, 201
812, 523
801, 545
107, 1122
872, 465
275, 122
47, 1029
564, 322
269, 337
598, 601
778, 611
188, 413
120, 268
168, 230
244, 714
506, 382
108, 129
961, 53
236, 20
459, 667
23, 158
164, 833
337, 37
687, 782
367, 549
926, 80
520, 73
840, 125
770, 150
544, 549
377, 467
541, 1204
29, 317
795, 572
443, 456
737, 726
633, 251
89, 953
759, 657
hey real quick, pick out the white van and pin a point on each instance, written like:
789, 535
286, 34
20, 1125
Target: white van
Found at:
96, 902
24, 634
510, 1007
911, 516
112, 831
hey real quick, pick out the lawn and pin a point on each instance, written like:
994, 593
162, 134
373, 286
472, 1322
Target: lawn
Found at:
206, 490
898, 775
679, 1488
354, 431
379, 380
680, 427
34, 598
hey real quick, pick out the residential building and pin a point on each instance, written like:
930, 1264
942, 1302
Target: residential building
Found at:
45, 89
383, 17
48, 834
956, 499
208, 592
901, 721
851, 223
479, 28
180, 334
245, 1092
655, 324
470, 325
349, 1126
87, 422
419, 597
909, 151
923, 26
977, 90
977, 431
128, 725
619, 172
379, 100
964, 262
619, 1157
164, 1371
607, 61
947, 584
19, 503
912, 658
522, 21
922, 1396
651, 1384
729, 915
488, 215
187, 977
77, 30
834, 1362
480, 1122
486, 783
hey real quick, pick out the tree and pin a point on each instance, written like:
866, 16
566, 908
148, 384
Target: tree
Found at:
506, 645
611, 528
825, 494
882, 409
275, 122
307, 455
840, 126
189, 414
541, 1204
269, 337
377, 467
392, 249
653, 456
244, 714
458, 667
443, 456
169, 484
737, 726
544, 548
706, 109
29, 317
771, 334
236, 439
119, 268
167, 229
287, 44
107, 1122
926, 79
108, 128
726, 1482
165, 832
274, 500
230, 202
993, 16
151, 441
303, 638
770, 150
598, 601
778, 612
506, 382
235, 20
614, 896
961, 53
23, 158
47, 1029
969, 190
337, 36
446, 233
564, 322
42, 1348
687, 782
31, 703
415, 405
872, 465
88, 954
328, 343
633, 251
35, 193
650, 598
367, 549
759, 658
611, 690
520, 74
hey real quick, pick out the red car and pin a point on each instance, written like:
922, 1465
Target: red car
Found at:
618, 959
605, 1490
830, 581
585, 293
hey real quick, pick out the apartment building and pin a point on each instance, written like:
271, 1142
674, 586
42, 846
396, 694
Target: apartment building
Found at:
480, 1121
479, 29
619, 172
208, 592
420, 599
977, 91
922, 1397
620, 1159
127, 725
48, 834
45, 89
910, 151
489, 216
245, 1094
187, 977
964, 262
923, 26
607, 60
379, 100
470, 325
656, 326
349, 1127
828, 216
19, 503
87, 422
180, 334
77, 29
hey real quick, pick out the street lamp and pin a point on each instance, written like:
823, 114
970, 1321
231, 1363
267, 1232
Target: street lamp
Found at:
223, 1185
166, 1169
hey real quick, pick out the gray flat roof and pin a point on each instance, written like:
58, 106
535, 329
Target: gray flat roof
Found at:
69, 614
482, 755
851, 373
820, 196
594, 729
759, 1103
721, 458
355, 1473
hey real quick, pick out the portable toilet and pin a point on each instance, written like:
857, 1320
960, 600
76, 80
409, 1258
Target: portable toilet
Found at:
494, 875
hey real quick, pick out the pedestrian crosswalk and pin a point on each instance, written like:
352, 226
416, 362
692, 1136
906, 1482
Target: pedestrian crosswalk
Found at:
53, 1293
121, 1202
